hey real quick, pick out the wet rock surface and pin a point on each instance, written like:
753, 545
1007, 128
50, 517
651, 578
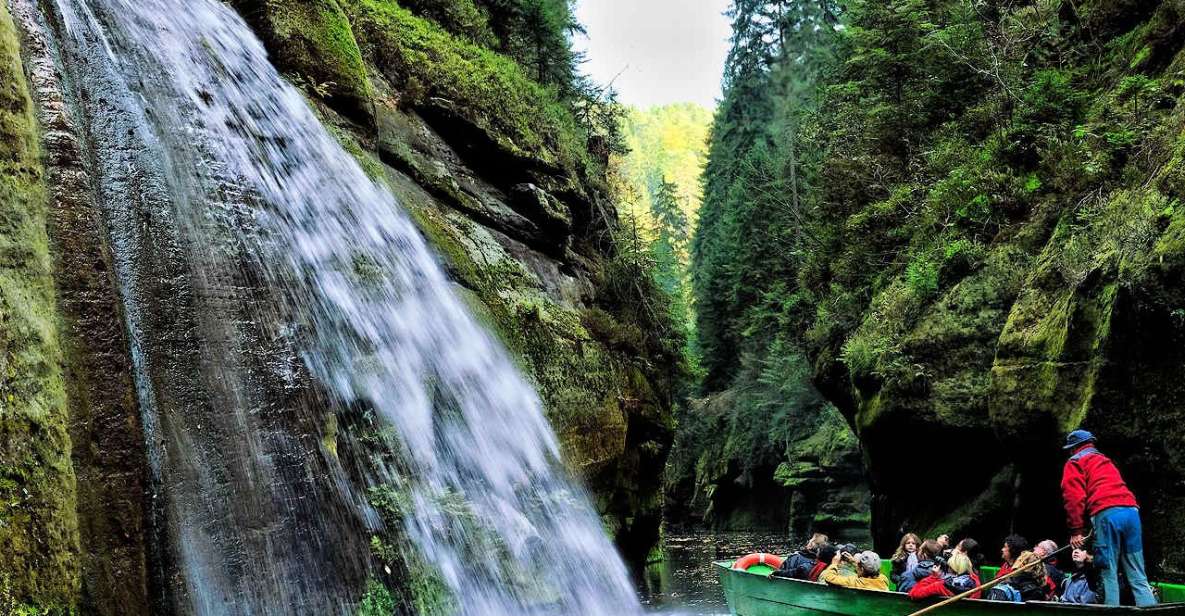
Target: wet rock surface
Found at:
165, 475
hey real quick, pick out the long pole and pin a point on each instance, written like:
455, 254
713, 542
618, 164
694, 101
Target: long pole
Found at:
990, 584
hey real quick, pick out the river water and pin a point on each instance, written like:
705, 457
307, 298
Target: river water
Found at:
685, 583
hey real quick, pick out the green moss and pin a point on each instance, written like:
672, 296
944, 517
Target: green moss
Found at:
312, 39
378, 601
38, 524
426, 62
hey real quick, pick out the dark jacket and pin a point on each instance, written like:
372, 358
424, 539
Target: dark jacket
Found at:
1033, 586
1090, 484
899, 567
798, 566
919, 573
1054, 577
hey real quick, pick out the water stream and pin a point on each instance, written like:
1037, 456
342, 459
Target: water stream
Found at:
255, 257
685, 583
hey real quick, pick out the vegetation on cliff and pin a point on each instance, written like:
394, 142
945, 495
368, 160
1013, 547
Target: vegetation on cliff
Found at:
763, 449
38, 525
501, 153
980, 248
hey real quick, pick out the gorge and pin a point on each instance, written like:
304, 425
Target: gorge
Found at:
266, 396
364, 306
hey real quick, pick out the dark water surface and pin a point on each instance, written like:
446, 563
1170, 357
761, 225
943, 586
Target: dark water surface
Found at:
686, 583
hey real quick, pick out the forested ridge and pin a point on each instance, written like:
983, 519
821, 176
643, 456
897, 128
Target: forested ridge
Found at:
964, 217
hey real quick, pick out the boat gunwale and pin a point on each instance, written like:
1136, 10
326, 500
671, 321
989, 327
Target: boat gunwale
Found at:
1055, 605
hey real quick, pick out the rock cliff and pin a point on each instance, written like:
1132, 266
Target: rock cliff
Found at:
492, 168
1035, 286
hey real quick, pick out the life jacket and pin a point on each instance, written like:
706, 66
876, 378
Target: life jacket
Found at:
817, 571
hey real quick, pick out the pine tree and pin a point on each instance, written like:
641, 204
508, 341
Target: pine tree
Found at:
755, 182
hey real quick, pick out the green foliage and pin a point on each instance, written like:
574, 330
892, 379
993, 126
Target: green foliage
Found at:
666, 143
378, 601
39, 560
312, 40
427, 62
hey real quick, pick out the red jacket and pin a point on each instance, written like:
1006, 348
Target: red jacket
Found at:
935, 586
1005, 569
1090, 484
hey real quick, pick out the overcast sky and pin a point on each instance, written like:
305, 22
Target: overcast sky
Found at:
666, 51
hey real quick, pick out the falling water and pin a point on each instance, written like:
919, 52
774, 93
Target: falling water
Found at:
183, 91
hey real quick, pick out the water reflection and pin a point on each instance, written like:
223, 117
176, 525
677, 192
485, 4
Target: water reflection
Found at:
686, 583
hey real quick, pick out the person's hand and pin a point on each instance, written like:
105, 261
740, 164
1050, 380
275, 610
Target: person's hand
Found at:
1078, 540
838, 559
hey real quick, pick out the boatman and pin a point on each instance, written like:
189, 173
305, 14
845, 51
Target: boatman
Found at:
1095, 495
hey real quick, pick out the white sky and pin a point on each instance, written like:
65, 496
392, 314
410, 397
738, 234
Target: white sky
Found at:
671, 51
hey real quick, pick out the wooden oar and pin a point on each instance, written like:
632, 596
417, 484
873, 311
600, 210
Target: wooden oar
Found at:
994, 582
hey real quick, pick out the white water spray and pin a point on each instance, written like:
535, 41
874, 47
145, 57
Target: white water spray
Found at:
399, 341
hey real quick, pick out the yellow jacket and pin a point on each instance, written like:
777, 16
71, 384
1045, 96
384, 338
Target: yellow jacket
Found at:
831, 575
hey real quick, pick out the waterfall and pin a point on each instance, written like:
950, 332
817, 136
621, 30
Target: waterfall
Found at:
253, 254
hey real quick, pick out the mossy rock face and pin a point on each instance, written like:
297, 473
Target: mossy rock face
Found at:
313, 40
38, 525
609, 407
1072, 315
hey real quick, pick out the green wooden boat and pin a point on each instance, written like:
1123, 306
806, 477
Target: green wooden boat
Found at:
752, 593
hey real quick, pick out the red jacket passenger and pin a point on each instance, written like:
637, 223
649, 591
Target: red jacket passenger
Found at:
936, 586
1091, 484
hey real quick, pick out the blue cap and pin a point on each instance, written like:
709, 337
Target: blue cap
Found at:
1078, 437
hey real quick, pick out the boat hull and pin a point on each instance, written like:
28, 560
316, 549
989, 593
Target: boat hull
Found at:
751, 594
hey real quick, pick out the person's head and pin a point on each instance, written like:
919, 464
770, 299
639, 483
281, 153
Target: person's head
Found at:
868, 564
930, 548
1076, 439
1025, 559
944, 541
967, 546
909, 545
959, 564
827, 553
817, 540
1081, 556
1045, 548
1013, 546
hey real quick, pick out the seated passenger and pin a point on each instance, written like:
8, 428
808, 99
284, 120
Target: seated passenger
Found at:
826, 554
1013, 546
800, 564
1082, 585
959, 580
905, 558
970, 548
1055, 576
926, 563
1032, 584
868, 572
944, 543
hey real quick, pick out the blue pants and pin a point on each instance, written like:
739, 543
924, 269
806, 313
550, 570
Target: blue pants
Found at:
1118, 542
